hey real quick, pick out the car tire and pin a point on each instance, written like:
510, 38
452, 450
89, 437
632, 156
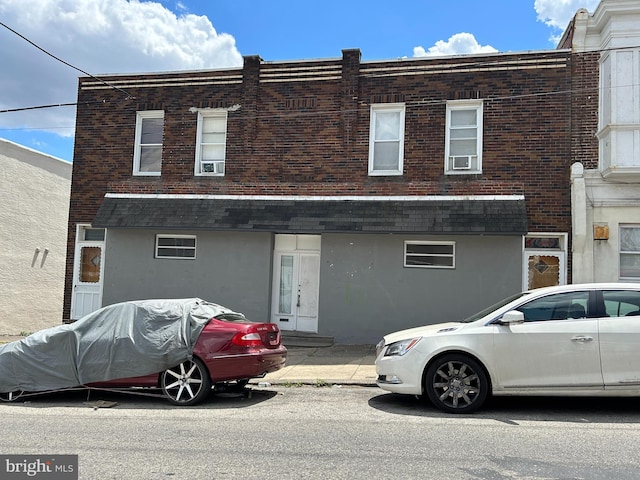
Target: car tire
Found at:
456, 383
186, 384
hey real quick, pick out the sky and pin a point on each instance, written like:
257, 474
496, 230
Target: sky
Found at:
46, 45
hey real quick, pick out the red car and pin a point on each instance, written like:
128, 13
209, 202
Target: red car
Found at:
185, 347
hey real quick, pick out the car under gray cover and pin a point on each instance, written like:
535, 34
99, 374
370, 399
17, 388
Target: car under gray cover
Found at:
124, 340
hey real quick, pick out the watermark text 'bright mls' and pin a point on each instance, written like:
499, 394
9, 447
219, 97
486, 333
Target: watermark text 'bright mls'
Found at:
50, 467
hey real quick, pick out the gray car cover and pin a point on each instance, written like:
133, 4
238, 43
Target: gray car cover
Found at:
124, 340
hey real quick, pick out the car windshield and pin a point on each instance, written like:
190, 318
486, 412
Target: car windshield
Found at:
496, 306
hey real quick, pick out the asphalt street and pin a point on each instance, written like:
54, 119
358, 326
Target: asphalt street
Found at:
327, 432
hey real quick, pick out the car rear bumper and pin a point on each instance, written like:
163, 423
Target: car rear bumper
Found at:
253, 364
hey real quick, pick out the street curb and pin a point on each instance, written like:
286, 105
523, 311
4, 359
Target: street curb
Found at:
319, 383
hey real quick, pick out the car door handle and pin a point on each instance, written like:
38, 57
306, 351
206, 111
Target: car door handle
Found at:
582, 339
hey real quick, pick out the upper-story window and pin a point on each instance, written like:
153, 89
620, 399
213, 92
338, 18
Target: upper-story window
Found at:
211, 142
147, 158
386, 139
463, 149
619, 114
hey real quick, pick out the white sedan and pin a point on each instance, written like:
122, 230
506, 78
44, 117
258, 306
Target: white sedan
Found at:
565, 340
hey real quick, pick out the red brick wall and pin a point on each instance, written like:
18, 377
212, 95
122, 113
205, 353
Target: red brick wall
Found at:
584, 108
294, 137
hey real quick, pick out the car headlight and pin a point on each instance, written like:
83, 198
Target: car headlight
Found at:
401, 347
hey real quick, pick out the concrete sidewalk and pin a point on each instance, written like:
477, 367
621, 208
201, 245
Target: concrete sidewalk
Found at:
338, 364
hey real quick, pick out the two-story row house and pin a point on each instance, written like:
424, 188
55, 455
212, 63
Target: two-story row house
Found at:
334, 197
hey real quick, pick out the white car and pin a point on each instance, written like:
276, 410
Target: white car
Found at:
567, 340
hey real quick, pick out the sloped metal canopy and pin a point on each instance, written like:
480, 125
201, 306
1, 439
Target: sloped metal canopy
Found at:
447, 216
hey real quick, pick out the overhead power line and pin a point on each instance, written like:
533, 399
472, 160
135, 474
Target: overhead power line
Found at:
53, 105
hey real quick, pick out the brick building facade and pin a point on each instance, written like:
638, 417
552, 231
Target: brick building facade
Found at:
399, 192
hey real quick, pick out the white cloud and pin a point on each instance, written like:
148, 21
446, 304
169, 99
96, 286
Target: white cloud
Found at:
558, 13
460, 43
97, 36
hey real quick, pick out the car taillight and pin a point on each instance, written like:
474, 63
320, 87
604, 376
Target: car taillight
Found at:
249, 338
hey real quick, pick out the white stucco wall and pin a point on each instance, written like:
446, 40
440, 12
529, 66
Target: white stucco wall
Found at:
606, 205
34, 209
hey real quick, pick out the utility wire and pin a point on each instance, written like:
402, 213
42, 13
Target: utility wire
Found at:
53, 105
66, 63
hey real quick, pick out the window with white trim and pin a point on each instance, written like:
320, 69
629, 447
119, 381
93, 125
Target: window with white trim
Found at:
211, 142
463, 148
630, 252
147, 157
176, 246
429, 254
386, 139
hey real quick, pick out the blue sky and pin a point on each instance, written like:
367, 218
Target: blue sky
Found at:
125, 36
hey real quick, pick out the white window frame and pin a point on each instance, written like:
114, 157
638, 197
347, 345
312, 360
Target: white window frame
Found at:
219, 163
386, 108
464, 164
176, 247
451, 255
140, 117
622, 252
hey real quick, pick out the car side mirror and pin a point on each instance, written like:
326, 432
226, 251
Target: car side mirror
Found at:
512, 317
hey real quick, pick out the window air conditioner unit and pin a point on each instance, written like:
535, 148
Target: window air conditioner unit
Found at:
461, 162
213, 167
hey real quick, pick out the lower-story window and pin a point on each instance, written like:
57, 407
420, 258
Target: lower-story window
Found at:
630, 252
429, 254
176, 246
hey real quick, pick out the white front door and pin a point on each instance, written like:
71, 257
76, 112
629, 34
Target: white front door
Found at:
296, 282
86, 295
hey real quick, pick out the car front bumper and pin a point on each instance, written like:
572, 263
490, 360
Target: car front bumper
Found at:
400, 374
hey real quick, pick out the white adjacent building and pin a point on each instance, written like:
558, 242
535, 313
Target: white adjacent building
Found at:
606, 196
34, 195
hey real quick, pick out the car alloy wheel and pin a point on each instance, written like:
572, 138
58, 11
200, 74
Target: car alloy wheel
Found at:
187, 383
456, 384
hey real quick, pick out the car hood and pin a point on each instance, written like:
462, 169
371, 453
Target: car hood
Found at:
424, 331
